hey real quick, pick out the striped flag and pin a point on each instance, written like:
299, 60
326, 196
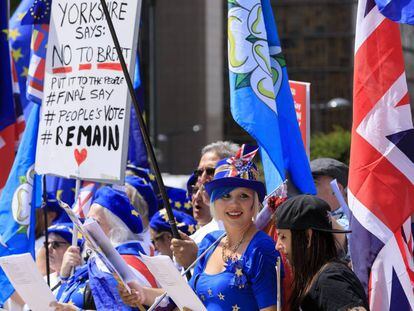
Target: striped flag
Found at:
84, 200
381, 181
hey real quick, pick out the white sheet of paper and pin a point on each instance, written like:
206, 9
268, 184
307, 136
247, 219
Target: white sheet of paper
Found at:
340, 197
171, 280
118, 263
22, 272
94, 241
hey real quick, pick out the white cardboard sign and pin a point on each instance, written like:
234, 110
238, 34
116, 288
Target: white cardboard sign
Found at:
83, 131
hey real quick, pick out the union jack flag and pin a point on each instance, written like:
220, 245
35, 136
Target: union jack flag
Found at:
381, 180
39, 16
84, 199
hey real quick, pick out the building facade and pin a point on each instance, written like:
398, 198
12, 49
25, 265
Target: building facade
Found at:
184, 46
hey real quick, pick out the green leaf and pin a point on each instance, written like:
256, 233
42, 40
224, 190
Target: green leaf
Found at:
22, 230
232, 3
275, 75
252, 39
22, 179
242, 80
281, 61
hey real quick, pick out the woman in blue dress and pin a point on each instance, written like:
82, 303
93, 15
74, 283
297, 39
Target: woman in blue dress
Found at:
238, 272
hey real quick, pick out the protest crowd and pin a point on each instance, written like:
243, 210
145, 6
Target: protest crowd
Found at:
238, 269
258, 227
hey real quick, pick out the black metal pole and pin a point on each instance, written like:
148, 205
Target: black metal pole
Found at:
153, 102
44, 205
142, 126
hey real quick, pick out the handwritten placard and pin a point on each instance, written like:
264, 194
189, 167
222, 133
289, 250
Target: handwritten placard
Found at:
83, 131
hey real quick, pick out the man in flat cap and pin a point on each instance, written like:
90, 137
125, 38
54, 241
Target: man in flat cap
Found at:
324, 170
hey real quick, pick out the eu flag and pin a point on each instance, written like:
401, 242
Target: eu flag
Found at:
261, 101
137, 153
19, 37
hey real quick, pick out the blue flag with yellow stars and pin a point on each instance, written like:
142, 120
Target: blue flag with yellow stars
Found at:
19, 37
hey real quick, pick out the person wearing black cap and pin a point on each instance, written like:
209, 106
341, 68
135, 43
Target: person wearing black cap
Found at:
324, 170
321, 281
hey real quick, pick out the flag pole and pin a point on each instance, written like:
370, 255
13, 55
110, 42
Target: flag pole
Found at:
279, 284
142, 126
44, 204
75, 229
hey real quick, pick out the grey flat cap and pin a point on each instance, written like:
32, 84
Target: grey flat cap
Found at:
330, 167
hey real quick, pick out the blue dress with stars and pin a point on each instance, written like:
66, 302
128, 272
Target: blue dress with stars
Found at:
246, 284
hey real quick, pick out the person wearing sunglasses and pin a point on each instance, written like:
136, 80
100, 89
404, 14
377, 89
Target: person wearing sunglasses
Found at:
161, 234
238, 270
59, 240
185, 250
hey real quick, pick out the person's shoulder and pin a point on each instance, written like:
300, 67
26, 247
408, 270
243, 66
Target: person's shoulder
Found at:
262, 242
335, 267
200, 234
209, 239
261, 253
213, 236
337, 271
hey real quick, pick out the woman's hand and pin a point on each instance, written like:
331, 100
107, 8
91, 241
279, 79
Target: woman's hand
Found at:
135, 298
71, 258
63, 306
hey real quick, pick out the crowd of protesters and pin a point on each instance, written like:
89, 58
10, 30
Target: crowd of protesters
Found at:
236, 270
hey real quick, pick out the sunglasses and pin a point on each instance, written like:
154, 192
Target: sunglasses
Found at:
209, 171
55, 244
195, 189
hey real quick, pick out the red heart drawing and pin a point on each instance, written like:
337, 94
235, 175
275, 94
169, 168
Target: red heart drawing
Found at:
80, 156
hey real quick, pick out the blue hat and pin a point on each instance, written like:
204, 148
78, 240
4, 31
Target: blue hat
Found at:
146, 191
141, 172
65, 230
185, 223
190, 184
52, 205
238, 171
118, 203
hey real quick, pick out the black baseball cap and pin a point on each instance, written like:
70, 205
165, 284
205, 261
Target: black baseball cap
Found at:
332, 168
305, 212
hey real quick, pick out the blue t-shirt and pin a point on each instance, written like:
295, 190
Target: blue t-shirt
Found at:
247, 284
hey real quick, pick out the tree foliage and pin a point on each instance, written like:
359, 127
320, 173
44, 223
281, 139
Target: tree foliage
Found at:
335, 144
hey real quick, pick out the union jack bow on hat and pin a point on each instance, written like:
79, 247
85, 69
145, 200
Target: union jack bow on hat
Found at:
238, 171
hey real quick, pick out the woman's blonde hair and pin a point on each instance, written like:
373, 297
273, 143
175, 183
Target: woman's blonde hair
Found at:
119, 232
